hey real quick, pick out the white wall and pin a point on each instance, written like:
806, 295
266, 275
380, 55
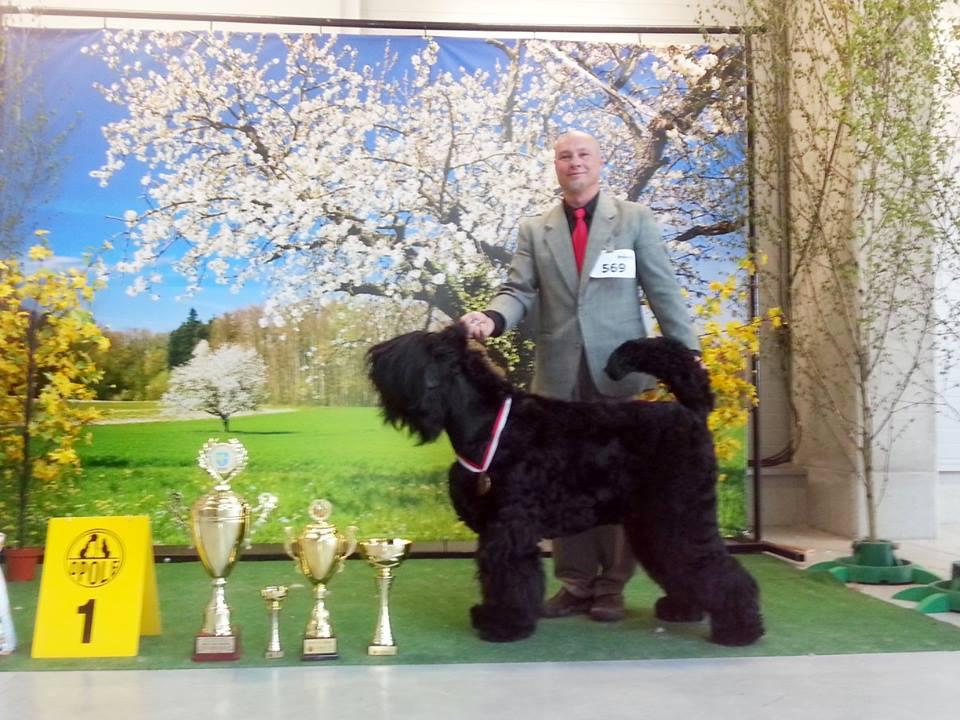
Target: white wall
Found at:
948, 418
577, 13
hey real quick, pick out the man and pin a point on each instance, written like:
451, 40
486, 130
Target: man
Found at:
586, 261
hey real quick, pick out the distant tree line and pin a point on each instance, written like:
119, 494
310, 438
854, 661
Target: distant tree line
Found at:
315, 360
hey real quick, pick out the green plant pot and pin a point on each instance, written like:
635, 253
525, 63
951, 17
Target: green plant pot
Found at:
900, 573
875, 553
936, 597
874, 563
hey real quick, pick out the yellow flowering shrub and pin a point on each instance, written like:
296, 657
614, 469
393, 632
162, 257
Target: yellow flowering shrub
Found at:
48, 337
728, 348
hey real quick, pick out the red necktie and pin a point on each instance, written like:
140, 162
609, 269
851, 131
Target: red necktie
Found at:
579, 237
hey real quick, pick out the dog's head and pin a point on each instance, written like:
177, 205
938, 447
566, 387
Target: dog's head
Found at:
412, 373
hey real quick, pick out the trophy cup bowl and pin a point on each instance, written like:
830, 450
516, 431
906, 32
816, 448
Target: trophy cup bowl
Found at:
219, 521
384, 554
274, 595
319, 552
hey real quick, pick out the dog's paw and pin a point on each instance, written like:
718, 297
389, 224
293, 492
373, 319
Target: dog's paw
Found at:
494, 625
670, 609
736, 635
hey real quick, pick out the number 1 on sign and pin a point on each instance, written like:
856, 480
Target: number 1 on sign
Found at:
87, 611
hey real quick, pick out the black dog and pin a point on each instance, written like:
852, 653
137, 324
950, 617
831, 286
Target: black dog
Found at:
560, 467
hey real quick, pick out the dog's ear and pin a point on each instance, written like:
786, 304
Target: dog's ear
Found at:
407, 374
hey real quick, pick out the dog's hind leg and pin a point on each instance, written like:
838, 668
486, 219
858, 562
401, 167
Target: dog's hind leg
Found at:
699, 578
511, 582
678, 604
719, 584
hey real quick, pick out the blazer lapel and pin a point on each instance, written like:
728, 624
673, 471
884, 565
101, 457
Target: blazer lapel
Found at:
604, 220
556, 235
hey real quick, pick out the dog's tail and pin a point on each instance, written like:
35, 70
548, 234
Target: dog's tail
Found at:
670, 361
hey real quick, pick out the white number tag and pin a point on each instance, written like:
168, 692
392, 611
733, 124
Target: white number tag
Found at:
615, 264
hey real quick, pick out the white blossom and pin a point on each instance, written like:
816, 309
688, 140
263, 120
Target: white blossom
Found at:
219, 382
303, 171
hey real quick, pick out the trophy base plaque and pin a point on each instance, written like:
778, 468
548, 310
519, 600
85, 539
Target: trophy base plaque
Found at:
381, 650
319, 649
216, 648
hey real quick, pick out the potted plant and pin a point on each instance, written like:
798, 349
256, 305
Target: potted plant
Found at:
47, 337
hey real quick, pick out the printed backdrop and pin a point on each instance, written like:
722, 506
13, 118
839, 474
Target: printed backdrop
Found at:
309, 195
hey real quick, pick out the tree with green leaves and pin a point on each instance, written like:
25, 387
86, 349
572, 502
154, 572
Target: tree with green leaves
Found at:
135, 366
184, 339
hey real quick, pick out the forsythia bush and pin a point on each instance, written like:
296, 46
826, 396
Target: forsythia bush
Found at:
47, 337
727, 351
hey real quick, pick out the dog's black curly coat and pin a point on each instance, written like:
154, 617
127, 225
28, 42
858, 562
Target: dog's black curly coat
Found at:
563, 467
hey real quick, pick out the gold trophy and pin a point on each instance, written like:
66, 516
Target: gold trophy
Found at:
384, 554
274, 595
319, 553
219, 521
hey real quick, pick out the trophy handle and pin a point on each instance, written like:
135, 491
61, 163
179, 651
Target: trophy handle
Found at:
348, 543
290, 544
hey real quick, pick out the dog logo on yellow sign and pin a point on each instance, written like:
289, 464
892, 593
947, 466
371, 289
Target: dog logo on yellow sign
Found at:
94, 558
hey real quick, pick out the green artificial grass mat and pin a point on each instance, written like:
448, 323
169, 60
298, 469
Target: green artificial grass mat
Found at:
805, 614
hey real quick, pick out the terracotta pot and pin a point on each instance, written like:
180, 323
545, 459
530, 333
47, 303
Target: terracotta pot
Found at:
21, 563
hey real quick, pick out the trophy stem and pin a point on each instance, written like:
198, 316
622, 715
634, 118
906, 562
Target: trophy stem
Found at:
274, 649
383, 643
318, 626
319, 642
216, 618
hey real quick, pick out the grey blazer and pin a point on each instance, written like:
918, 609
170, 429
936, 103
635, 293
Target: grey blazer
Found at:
590, 316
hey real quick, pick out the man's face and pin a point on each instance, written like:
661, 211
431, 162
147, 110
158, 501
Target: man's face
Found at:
577, 162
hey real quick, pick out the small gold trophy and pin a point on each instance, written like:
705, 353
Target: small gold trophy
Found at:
319, 553
274, 595
219, 521
384, 554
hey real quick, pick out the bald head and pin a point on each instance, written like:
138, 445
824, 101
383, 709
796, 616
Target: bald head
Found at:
575, 137
577, 160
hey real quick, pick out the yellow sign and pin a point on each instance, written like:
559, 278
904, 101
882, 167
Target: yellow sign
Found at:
98, 591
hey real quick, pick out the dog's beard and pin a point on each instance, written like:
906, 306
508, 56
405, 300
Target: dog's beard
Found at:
423, 422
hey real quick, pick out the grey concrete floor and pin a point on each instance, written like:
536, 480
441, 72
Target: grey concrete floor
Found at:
877, 687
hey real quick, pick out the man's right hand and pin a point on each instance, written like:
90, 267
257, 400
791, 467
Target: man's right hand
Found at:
478, 325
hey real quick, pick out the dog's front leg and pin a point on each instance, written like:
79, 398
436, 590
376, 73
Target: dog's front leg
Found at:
511, 581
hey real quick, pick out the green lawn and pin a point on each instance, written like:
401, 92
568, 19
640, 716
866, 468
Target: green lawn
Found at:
375, 476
